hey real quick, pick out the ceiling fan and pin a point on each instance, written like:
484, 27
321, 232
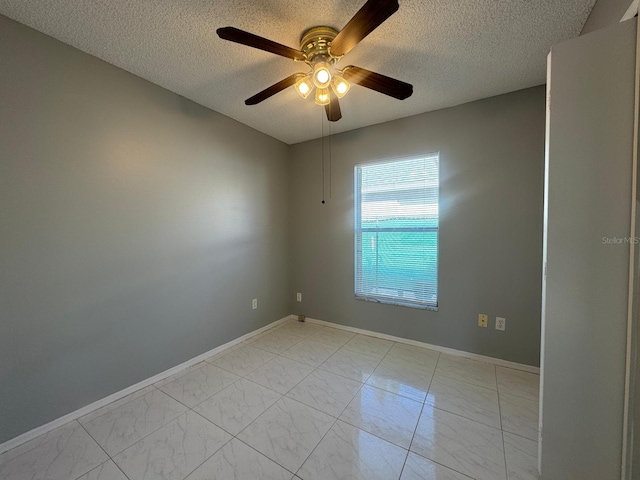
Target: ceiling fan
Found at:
321, 48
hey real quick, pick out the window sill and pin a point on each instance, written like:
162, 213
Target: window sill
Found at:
399, 303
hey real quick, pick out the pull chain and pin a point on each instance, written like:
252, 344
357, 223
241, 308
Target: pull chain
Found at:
330, 176
322, 149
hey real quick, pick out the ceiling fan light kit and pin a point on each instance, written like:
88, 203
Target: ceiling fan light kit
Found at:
321, 48
340, 86
304, 86
321, 74
322, 96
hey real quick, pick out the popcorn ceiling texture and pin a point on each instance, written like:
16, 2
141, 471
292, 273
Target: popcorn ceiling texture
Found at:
452, 51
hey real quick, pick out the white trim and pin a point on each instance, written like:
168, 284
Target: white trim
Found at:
627, 425
438, 348
545, 236
632, 11
41, 430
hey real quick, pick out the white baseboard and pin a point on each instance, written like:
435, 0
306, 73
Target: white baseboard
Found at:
450, 351
41, 430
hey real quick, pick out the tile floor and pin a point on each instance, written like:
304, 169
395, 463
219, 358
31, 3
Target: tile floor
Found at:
304, 401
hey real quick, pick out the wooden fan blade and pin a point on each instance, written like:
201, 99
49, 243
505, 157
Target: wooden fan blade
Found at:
333, 109
245, 38
378, 82
272, 90
369, 17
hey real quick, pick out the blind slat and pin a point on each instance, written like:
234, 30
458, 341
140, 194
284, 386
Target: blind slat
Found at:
396, 232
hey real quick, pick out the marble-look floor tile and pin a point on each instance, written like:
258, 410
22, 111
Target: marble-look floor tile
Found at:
125, 425
301, 329
467, 370
372, 346
461, 444
519, 416
384, 414
280, 374
465, 399
522, 457
518, 383
198, 385
414, 357
113, 405
174, 451
107, 471
352, 365
287, 432
275, 342
347, 452
238, 405
420, 468
253, 338
242, 360
237, 461
405, 380
172, 378
326, 392
66, 452
309, 352
331, 336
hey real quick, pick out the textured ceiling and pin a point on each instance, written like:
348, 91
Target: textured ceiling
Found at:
452, 51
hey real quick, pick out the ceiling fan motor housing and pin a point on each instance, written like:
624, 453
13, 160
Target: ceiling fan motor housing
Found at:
315, 44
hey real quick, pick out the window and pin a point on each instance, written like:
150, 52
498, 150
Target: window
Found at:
396, 232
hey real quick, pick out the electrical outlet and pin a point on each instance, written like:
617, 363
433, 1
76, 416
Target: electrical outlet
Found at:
254, 304
298, 297
501, 323
482, 320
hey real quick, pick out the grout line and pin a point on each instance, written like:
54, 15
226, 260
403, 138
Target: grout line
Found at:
318, 444
500, 412
150, 387
336, 418
520, 436
154, 431
221, 447
442, 465
118, 467
431, 460
110, 459
362, 383
145, 436
420, 416
45, 429
504, 450
412, 438
466, 382
504, 454
262, 455
378, 436
431, 347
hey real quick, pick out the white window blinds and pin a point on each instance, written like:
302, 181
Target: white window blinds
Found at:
396, 232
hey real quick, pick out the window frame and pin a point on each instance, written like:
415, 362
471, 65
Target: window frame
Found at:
357, 240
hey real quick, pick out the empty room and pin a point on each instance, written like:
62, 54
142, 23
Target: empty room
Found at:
350, 239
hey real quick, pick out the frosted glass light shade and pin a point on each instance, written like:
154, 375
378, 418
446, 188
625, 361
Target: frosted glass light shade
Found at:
340, 86
304, 86
321, 75
322, 96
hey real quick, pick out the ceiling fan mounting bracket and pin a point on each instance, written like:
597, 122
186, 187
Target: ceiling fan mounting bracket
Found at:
316, 42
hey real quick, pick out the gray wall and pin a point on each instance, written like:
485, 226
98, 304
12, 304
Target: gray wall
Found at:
136, 228
605, 13
491, 174
589, 168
